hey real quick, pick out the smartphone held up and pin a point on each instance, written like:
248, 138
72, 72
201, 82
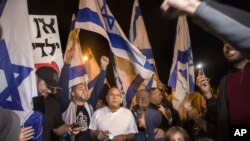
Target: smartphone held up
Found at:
200, 69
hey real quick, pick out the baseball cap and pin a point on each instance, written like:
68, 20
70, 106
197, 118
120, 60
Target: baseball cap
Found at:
49, 75
9, 125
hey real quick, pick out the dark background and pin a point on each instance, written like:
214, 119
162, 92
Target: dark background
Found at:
161, 32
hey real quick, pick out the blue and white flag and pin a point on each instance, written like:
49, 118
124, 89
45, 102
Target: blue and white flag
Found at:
181, 77
132, 66
17, 75
139, 38
78, 73
138, 34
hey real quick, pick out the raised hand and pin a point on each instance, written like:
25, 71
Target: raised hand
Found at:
69, 55
179, 7
104, 62
203, 84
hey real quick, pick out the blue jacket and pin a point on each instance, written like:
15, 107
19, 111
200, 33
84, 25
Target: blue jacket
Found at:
153, 121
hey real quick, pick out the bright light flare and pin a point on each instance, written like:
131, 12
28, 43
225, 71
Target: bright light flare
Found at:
85, 58
199, 66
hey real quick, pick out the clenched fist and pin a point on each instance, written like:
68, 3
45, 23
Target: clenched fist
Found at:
104, 62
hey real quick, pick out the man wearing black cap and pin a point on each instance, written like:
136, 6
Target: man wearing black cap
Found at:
47, 79
47, 86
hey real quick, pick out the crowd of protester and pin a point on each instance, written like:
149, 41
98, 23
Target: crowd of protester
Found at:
78, 115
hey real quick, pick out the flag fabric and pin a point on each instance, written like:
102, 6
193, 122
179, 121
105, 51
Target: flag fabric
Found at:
139, 38
88, 70
131, 65
78, 72
17, 75
138, 34
93, 70
181, 77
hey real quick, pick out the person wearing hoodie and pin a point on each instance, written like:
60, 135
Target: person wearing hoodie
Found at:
150, 120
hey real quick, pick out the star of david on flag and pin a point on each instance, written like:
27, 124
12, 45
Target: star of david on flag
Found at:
17, 76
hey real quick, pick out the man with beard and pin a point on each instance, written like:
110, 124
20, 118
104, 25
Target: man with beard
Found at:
81, 102
234, 98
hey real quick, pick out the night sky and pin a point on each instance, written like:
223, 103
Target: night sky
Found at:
161, 32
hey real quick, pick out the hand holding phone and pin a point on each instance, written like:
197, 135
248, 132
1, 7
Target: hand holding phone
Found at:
74, 125
74, 129
200, 69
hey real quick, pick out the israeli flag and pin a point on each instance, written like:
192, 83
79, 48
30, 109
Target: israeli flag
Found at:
78, 73
138, 34
139, 38
17, 75
129, 61
182, 71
